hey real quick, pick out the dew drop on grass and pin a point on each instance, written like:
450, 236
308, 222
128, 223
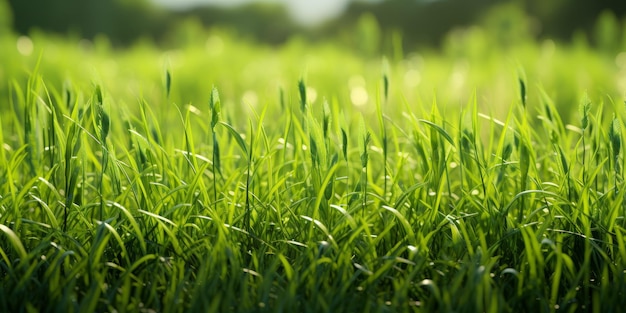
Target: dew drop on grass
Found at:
24, 45
282, 144
403, 155
412, 78
311, 94
359, 96
250, 98
376, 149
193, 109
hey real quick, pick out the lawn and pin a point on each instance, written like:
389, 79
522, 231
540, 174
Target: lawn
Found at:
226, 175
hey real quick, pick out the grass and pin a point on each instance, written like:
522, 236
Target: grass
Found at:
120, 199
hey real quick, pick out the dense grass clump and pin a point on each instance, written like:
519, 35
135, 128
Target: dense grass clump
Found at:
306, 203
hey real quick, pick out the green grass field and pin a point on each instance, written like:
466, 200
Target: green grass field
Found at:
231, 176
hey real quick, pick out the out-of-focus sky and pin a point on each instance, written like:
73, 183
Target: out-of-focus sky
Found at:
306, 12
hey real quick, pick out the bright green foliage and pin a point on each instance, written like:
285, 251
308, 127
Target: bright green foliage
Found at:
123, 201
215, 106
302, 90
168, 83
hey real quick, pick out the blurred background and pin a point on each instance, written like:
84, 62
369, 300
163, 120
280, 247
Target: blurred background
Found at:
421, 22
447, 51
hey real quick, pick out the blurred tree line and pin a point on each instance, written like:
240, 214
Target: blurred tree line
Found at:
123, 21
428, 21
424, 22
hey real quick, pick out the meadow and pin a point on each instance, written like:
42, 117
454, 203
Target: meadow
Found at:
223, 175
